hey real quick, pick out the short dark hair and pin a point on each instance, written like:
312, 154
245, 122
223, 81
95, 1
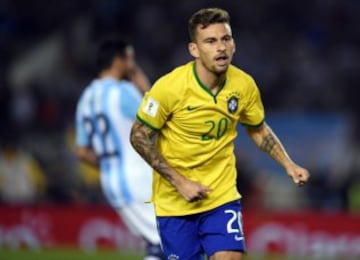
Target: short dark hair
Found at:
109, 49
205, 17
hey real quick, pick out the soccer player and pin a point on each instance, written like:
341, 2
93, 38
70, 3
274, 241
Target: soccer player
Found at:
105, 113
193, 112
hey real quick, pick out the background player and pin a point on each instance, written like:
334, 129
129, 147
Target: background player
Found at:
105, 114
194, 112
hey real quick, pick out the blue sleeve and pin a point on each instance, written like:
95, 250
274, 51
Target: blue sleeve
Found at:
130, 101
82, 136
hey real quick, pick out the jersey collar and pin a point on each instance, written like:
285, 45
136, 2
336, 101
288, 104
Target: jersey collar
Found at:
202, 85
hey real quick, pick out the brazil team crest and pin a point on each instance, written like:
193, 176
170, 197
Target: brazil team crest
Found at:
233, 103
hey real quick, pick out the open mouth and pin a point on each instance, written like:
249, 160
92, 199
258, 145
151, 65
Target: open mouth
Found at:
222, 59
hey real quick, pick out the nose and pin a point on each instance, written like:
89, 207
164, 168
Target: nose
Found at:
221, 46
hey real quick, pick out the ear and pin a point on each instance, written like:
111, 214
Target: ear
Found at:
234, 48
193, 49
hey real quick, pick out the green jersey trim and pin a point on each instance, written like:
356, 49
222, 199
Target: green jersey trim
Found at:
254, 126
147, 124
205, 87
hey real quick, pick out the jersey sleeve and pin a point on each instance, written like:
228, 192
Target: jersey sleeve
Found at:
253, 114
156, 106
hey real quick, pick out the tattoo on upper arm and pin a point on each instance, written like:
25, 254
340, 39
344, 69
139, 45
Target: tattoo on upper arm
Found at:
141, 140
268, 144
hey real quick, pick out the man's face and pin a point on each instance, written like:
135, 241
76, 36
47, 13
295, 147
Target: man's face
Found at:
213, 47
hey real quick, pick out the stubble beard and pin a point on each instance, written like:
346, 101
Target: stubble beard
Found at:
218, 72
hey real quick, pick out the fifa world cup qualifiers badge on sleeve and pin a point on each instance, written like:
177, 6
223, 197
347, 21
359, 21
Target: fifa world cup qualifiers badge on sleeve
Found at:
233, 102
151, 107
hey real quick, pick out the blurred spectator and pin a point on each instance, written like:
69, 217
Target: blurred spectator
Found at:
21, 178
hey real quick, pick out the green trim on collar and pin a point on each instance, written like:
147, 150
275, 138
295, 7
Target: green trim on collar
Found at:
205, 87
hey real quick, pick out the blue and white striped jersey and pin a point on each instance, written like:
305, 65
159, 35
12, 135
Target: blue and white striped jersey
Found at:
104, 117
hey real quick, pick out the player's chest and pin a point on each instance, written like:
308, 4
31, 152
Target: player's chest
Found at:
209, 116
199, 103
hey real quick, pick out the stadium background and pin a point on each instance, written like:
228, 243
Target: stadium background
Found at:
304, 56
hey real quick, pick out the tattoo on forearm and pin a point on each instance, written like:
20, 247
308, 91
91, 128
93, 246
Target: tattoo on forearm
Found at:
268, 144
140, 138
267, 141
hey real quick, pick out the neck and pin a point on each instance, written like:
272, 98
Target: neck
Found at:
112, 72
210, 79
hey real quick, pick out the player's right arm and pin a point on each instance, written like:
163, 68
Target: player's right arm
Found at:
157, 106
141, 138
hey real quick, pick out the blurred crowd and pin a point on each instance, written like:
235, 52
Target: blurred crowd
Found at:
304, 56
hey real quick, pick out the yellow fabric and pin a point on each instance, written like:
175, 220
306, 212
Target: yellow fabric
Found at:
89, 174
196, 134
37, 175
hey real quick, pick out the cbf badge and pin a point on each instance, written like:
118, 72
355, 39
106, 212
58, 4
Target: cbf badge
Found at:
233, 104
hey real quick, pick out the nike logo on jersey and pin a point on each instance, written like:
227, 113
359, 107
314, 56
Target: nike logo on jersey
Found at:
190, 108
238, 238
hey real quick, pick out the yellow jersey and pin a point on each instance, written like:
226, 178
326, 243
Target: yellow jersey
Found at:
196, 133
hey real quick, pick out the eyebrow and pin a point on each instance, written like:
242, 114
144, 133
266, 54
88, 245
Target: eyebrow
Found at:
210, 38
214, 38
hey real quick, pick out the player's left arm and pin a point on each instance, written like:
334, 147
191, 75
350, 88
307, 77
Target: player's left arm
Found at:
267, 141
87, 155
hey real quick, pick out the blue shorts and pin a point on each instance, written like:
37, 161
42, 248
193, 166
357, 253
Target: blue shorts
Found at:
190, 237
